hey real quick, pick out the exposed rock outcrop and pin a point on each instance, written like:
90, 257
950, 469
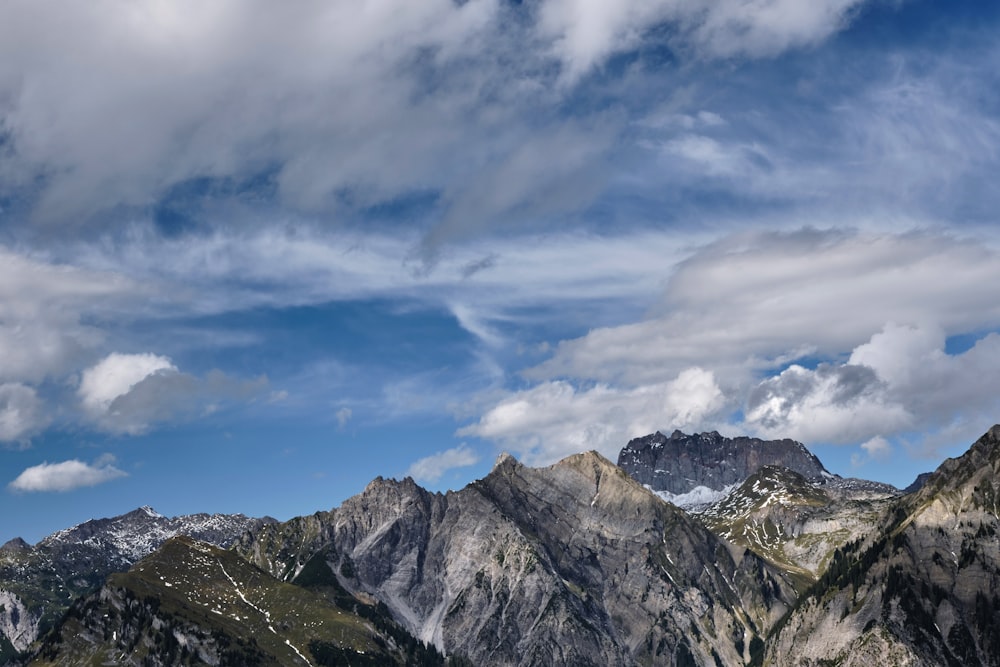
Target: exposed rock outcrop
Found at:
571, 564
680, 463
923, 588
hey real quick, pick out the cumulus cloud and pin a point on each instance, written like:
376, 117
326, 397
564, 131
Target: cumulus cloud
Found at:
128, 393
115, 376
901, 381
840, 404
743, 310
554, 419
67, 475
876, 449
22, 412
431, 468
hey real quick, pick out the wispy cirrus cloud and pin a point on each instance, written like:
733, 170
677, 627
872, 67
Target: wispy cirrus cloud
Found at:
430, 469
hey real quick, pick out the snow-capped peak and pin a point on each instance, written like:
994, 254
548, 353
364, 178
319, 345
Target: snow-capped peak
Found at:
151, 512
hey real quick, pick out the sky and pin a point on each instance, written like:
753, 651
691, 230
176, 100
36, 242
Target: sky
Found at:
255, 254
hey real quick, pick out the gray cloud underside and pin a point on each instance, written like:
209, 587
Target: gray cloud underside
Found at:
344, 105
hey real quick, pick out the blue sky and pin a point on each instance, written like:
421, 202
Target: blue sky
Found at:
253, 255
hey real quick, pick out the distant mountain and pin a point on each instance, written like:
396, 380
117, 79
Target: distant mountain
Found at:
694, 471
796, 524
38, 583
918, 483
683, 464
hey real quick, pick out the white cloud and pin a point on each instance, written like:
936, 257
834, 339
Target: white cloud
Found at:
431, 468
115, 376
128, 393
586, 32
555, 419
754, 301
900, 382
42, 306
343, 415
22, 412
748, 306
67, 475
840, 404
877, 448
318, 92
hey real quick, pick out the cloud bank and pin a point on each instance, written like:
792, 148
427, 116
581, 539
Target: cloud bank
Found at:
836, 337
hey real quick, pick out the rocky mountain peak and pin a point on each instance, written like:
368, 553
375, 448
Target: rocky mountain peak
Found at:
505, 460
682, 463
15, 546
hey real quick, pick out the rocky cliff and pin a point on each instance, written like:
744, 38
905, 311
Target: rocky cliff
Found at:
796, 524
681, 463
574, 564
920, 590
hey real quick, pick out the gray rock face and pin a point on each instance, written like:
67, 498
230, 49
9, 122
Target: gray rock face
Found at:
574, 564
922, 589
680, 463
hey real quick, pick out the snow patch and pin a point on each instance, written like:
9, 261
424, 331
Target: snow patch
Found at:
700, 497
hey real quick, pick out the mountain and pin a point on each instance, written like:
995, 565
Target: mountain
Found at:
704, 466
573, 564
918, 483
922, 589
193, 603
38, 583
795, 524
694, 471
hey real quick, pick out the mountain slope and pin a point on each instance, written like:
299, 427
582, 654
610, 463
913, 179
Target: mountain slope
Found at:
38, 583
191, 602
793, 523
923, 590
571, 564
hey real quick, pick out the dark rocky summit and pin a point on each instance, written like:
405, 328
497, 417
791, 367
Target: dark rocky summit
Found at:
918, 483
680, 463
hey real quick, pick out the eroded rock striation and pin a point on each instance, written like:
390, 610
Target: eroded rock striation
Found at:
574, 564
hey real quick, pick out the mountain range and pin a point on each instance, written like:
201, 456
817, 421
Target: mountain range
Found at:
580, 563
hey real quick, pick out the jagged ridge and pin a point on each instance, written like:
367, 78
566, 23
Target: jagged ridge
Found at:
571, 564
